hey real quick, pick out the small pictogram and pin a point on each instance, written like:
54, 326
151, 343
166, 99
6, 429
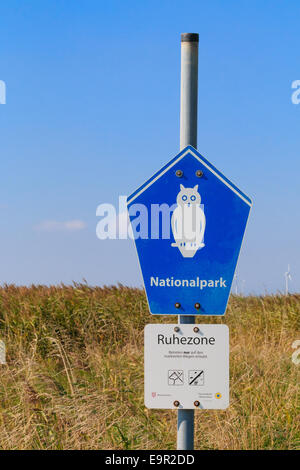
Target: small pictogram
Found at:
175, 377
196, 377
218, 395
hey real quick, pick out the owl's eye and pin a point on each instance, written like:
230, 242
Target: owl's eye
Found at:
193, 198
184, 198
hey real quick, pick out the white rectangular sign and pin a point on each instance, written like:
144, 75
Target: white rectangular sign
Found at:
186, 366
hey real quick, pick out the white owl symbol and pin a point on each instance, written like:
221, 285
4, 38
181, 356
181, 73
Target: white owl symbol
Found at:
188, 222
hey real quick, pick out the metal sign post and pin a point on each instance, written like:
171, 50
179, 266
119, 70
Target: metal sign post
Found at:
188, 136
194, 222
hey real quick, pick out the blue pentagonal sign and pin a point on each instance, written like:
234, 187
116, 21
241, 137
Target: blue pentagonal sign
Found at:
188, 222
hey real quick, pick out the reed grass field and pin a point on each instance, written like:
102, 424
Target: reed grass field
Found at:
74, 373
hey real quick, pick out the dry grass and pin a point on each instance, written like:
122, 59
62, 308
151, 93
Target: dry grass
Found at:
74, 373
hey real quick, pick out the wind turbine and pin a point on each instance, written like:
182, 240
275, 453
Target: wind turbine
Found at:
288, 278
243, 287
235, 277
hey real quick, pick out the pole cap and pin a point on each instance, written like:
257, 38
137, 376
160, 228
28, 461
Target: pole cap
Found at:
189, 37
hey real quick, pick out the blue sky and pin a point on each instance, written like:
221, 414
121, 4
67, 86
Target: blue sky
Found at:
93, 110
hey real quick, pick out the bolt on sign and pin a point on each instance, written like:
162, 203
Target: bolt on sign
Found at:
186, 366
188, 235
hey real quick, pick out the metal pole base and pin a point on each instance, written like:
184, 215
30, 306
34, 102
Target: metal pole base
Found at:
185, 430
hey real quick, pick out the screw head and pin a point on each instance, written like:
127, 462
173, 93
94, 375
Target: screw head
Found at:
176, 403
197, 403
197, 305
199, 173
176, 329
179, 173
196, 329
177, 305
